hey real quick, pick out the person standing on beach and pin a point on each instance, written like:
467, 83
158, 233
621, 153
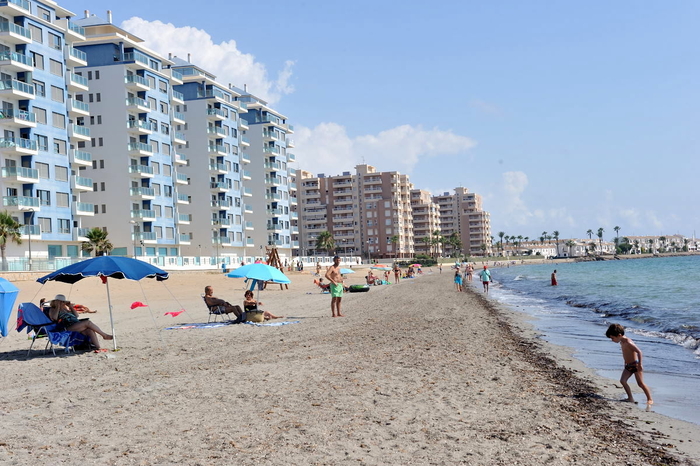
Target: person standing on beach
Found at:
397, 273
485, 278
458, 280
554, 278
632, 356
333, 275
470, 271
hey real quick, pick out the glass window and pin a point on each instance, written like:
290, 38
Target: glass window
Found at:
156, 189
151, 82
57, 94
45, 224
44, 197
43, 13
164, 108
61, 173
158, 210
56, 67
167, 170
169, 232
156, 168
168, 212
165, 149
55, 41
39, 88
162, 86
63, 225
43, 169
37, 60
42, 142
37, 33
168, 191
59, 147
58, 120
40, 115
62, 199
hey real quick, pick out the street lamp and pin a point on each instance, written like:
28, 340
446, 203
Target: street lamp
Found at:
31, 219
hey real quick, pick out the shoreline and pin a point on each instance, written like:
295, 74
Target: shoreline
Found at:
404, 379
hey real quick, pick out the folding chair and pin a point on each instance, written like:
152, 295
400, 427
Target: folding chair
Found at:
35, 320
216, 311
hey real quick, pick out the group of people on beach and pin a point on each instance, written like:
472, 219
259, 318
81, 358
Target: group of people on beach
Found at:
461, 277
249, 304
66, 316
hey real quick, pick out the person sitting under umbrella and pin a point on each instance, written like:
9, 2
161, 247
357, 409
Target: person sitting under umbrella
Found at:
251, 304
229, 308
66, 317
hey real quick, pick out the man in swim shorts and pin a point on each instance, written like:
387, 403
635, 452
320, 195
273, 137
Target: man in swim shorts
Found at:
333, 275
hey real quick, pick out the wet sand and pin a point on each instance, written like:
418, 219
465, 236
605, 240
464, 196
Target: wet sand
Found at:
415, 374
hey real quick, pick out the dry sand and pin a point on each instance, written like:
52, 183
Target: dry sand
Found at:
415, 374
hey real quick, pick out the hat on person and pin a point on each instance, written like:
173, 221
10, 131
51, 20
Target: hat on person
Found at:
486, 266
60, 297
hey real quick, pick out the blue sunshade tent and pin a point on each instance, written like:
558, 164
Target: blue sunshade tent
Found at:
8, 295
259, 272
106, 267
346, 271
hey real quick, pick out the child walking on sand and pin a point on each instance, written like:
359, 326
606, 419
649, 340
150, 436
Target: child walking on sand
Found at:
632, 356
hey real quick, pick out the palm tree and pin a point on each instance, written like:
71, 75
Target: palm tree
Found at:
651, 245
617, 234
98, 242
600, 238
685, 244
555, 235
592, 246
570, 244
662, 240
542, 238
636, 246
393, 240
437, 241
428, 244
325, 242
590, 234
544, 233
9, 231
500, 235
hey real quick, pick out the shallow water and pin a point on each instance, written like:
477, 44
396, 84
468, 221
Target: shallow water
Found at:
655, 299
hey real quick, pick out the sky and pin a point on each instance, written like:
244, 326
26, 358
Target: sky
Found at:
563, 116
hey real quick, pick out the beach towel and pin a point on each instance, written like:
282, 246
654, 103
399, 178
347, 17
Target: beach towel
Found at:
199, 325
273, 324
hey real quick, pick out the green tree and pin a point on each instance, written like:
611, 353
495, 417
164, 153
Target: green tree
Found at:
685, 244
555, 235
570, 244
501, 234
9, 231
662, 241
325, 242
600, 238
590, 234
438, 240
394, 240
617, 234
97, 241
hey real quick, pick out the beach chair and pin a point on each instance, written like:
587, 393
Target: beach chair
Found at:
35, 320
216, 311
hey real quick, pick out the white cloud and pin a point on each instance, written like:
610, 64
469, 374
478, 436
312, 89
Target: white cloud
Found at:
514, 208
224, 60
328, 149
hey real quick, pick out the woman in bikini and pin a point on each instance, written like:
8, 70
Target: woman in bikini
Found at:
251, 304
66, 317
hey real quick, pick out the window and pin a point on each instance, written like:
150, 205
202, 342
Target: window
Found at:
62, 199
169, 232
104, 208
168, 191
163, 86
39, 88
151, 82
45, 224
169, 212
102, 185
55, 41
158, 210
152, 103
40, 115
89, 75
96, 209
100, 142
164, 108
57, 94
165, 149
167, 170
43, 169
61, 173
156, 168
98, 97
97, 74
156, 188
42, 142
92, 120
44, 197
63, 225
99, 119
91, 98
154, 146
56, 67
37, 60
43, 13
159, 232
102, 163
58, 120
37, 33
59, 147
164, 128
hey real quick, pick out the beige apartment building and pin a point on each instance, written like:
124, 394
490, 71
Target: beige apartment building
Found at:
462, 213
426, 221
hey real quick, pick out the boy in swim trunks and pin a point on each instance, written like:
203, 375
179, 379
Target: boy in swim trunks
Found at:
333, 275
632, 356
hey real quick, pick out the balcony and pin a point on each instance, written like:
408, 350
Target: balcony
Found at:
18, 146
179, 117
76, 83
249, 226
144, 214
219, 186
246, 175
145, 236
273, 181
247, 192
14, 7
274, 212
273, 197
13, 34
245, 142
249, 242
141, 170
140, 126
295, 244
245, 158
84, 208
15, 61
20, 175
137, 104
78, 157
294, 215
77, 108
183, 198
75, 32
274, 166
290, 143
79, 133
184, 219
292, 200
222, 222
216, 114
181, 178
220, 204
21, 202
136, 59
275, 227
181, 159
179, 137
17, 118
291, 157
136, 82
216, 130
30, 230
242, 124
184, 238
16, 90
217, 167
139, 149
143, 193
80, 183
178, 97
248, 209
217, 149
75, 57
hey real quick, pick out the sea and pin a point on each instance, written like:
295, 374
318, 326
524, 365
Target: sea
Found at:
657, 300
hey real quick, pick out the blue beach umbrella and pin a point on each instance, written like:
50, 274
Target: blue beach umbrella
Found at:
106, 267
346, 271
8, 295
259, 272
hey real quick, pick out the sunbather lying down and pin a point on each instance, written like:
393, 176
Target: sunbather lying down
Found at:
251, 304
67, 319
323, 286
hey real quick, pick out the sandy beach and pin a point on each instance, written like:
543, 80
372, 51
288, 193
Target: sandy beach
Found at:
416, 373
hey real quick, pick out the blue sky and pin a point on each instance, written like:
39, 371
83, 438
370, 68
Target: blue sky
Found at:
563, 116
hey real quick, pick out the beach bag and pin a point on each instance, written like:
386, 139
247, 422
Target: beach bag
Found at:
66, 319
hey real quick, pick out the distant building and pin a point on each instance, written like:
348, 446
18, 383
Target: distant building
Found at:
426, 222
461, 213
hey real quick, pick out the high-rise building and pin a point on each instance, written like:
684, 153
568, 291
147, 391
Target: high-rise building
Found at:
426, 223
42, 125
462, 216
135, 169
211, 123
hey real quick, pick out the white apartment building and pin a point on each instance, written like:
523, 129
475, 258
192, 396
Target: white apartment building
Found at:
462, 213
426, 222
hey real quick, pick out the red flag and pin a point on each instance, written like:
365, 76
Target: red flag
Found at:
104, 279
136, 304
174, 313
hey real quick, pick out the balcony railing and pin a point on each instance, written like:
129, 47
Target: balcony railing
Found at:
78, 54
184, 238
24, 4
249, 225
15, 85
183, 197
180, 135
78, 105
181, 177
17, 115
179, 95
184, 217
179, 116
138, 102
142, 191
20, 201
217, 166
18, 142
145, 236
139, 146
71, 26
136, 79
141, 124
143, 213
218, 185
22, 172
14, 28
8, 55
77, 79
82, 130
216, 112
143, 169
221, 203
84, 182
33, 230
176, 75
136, 56
84, 207
217, 148
81, 155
